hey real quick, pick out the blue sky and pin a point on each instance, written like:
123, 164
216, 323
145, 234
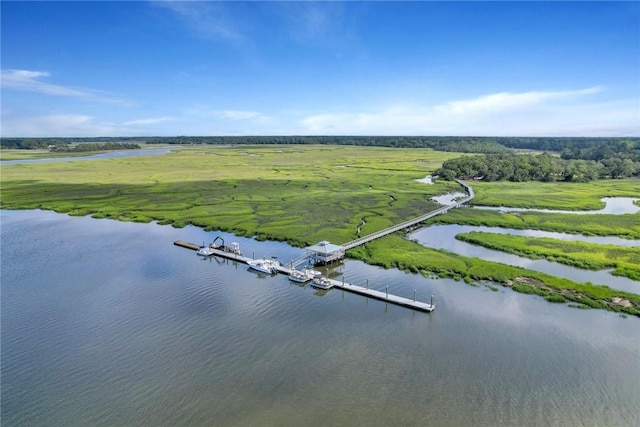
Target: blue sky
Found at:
129, 68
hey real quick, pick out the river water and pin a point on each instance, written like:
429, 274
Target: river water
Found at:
109, 323
613, 205
443, 237
101, 156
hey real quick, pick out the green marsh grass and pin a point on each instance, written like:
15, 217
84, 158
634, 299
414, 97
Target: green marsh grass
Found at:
553, 195
301, 194
394, 251
625, 226
298, 194
625, 261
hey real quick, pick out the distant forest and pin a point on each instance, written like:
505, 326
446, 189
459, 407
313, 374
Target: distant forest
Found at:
67, 145
503, 158
606, 159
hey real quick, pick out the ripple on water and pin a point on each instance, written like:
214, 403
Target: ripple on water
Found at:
125, 335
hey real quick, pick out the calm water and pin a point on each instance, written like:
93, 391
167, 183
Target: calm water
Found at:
109, 155
443, 237
107, 323
613, 205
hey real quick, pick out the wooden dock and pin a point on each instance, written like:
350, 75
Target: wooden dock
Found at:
379, 295
371, 293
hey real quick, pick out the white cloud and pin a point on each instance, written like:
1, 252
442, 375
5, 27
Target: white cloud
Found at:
206, 19
148, 121
536, 113
31, 81
508, 101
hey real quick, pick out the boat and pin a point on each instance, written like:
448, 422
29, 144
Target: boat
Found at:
321, 282
303, 276
264, 265
205, 251
213, 246
299, 276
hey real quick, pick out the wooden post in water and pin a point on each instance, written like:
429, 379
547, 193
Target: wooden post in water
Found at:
431, 300
367, 283
386, 288
414, 295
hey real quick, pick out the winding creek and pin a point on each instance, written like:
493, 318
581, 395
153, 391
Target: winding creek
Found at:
613, 205
443, 237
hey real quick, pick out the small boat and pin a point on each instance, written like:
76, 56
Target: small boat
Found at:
205, 251
321, 282
303, 276
299, 276
264, 265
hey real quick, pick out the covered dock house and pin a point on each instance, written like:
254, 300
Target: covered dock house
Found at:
325, 253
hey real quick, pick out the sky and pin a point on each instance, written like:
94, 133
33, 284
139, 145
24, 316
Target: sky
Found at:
203, 68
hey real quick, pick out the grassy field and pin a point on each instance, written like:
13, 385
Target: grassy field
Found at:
304, 194
301, 194
625, 261
553, 195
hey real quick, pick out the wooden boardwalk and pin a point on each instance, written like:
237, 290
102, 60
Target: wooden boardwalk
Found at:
371, 293
362, 240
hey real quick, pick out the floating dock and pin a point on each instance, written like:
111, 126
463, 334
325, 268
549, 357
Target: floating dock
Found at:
371, 293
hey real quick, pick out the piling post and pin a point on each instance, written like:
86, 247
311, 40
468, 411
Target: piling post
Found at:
431, 300
414, 295
386, 288
367, 283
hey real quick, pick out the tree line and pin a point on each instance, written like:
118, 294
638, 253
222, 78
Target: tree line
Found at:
537, 167
573, 159
95, 146
463, 144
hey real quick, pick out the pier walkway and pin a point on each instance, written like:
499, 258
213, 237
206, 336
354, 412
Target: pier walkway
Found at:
414, 221
371, 293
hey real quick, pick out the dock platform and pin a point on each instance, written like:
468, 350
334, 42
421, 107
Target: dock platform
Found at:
371, 293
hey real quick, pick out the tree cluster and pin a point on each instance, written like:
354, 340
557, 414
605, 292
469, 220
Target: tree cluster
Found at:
85, 147
532, 167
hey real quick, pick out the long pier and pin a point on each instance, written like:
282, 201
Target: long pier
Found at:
371, 293
379, 295
412, 222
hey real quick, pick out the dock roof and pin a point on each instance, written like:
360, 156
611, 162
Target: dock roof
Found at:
325, 247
